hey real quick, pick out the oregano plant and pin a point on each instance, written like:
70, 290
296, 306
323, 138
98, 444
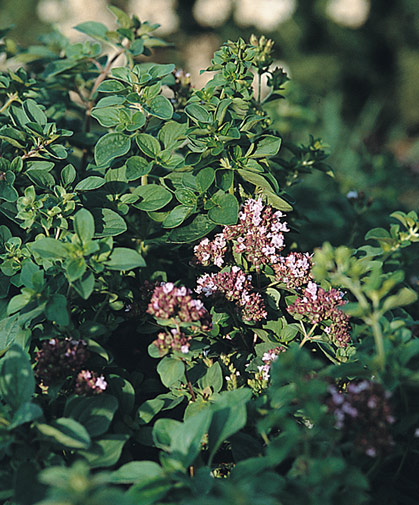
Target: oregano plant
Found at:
162, 338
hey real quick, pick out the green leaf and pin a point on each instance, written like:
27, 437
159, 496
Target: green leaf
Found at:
26, 413
123, 258
110, 146
157, 70
49, 248
176, 216
171, 371
93, 29
66, 432
17, 383
171, 133
229, 416
92, 182
198, 113
106, 116
162, 432
154, 197
137, 167
186, 196
226, 209
108, 223
94, 413
149, 409
11, 331
277, 202
160, 107
267, 146
85, 285
124, 392
198, 228
7, 191
148, 144
34, 112
256, 179
111, 86
137, 471
56, 310
75, 268
186, 437
68, 174
213, 378
404, 297
205, 177
84, 225
106, 451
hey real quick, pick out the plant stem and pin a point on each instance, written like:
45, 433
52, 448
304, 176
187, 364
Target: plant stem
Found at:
11, 99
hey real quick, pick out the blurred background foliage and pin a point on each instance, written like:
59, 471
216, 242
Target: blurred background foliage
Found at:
354, 68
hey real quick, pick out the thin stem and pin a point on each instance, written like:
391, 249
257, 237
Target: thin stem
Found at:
259, 86
11, 99
379, 341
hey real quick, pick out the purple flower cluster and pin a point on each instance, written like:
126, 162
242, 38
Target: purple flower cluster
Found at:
174, 340
268, 358
57, 359
171, 302
294, 270
364, 414
89, 383
209, 252
138, 307
236, 287
259, 235
318, 305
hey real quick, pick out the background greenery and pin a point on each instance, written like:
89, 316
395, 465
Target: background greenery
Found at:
354, 67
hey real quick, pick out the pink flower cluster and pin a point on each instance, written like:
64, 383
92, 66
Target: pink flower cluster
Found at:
268, 358
294, 270
236, 287
211, 252
259, 235
171, 302
318, 305
89, 383
364, 414
174, 340
59, 358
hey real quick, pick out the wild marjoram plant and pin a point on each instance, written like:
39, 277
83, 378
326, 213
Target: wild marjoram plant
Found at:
162, 339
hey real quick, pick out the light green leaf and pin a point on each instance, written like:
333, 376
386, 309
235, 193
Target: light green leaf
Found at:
267, 146
66, 432
111, 146
94, 413
148, 144
123, 258
198, 228
137, 471
198, 113
154, 197
92, 182
226, 209
176, 216
56, 310
160, 107
171, 371
26, 413
49, 248
108, 223
84, 225
17, 383
106, 451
